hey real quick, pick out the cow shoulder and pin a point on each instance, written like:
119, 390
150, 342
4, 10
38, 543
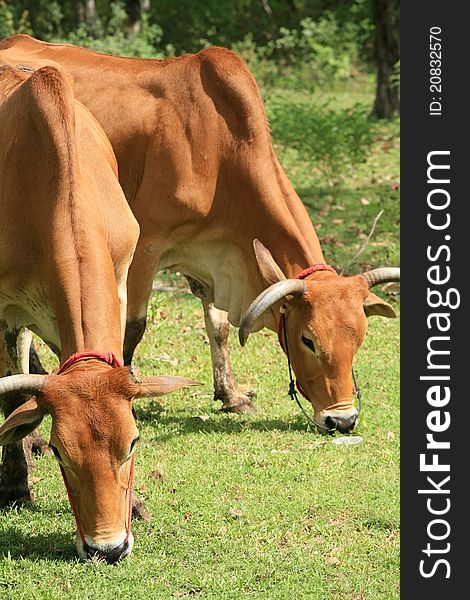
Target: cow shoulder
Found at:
233, 90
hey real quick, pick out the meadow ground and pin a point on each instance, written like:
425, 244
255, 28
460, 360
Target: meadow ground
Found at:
252, 506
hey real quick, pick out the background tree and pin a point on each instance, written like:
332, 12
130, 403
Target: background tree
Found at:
89, 11
136, 9
292, 43
387, 55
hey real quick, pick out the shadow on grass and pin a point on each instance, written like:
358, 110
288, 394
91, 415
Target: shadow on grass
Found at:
37, 546
216, 422
50, 545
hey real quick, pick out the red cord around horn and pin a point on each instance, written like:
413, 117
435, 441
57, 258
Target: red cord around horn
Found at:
302, 275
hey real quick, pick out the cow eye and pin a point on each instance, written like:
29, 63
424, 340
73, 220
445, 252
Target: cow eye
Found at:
308, 342
55, 451
133, 443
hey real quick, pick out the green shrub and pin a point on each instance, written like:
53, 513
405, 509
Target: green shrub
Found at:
333, 141
7, 22
318, 52
113, 36
326, 49
10, 25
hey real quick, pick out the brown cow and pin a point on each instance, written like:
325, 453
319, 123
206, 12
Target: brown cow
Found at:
67, 238
198, 169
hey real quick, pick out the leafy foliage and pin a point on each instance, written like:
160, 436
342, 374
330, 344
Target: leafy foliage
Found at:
325, 38
12, 22
316, 53
112, 36
293, 43
333, 140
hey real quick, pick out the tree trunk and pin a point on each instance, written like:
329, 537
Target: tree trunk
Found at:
77, 12
90, 11
135, 9
85, 11
386, 54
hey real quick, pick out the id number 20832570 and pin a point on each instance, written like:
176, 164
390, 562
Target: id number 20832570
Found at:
435, 71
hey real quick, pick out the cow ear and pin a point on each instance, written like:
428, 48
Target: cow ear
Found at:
158, 385
373, 305
21, 422
270, 271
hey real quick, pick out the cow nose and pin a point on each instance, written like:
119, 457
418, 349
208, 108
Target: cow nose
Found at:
109, 554
341, 424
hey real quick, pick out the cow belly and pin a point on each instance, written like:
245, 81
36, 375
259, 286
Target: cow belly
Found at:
27, 310
220, 272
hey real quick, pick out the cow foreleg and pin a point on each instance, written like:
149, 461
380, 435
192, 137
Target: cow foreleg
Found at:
17, 462
139, 288
135, 329
226, 389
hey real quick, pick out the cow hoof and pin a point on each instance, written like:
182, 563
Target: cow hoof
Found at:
11, 496
39, 446
139, 510
241, 408
239, 402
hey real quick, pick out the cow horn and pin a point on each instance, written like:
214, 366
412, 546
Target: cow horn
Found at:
382, 275
265, 300
22, 383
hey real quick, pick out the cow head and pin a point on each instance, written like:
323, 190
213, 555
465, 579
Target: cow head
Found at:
326, 322
93, 437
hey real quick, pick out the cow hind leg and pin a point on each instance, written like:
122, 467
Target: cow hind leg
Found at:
17, 463
226, 389
16, 468
139, 288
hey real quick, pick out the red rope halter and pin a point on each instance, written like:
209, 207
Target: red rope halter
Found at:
109, 358
281, 328
282, 312
112, 360
75, 510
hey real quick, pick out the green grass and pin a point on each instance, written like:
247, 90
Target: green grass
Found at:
246, 506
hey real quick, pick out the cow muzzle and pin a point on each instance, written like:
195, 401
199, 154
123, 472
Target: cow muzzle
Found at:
336, 421
111, 552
